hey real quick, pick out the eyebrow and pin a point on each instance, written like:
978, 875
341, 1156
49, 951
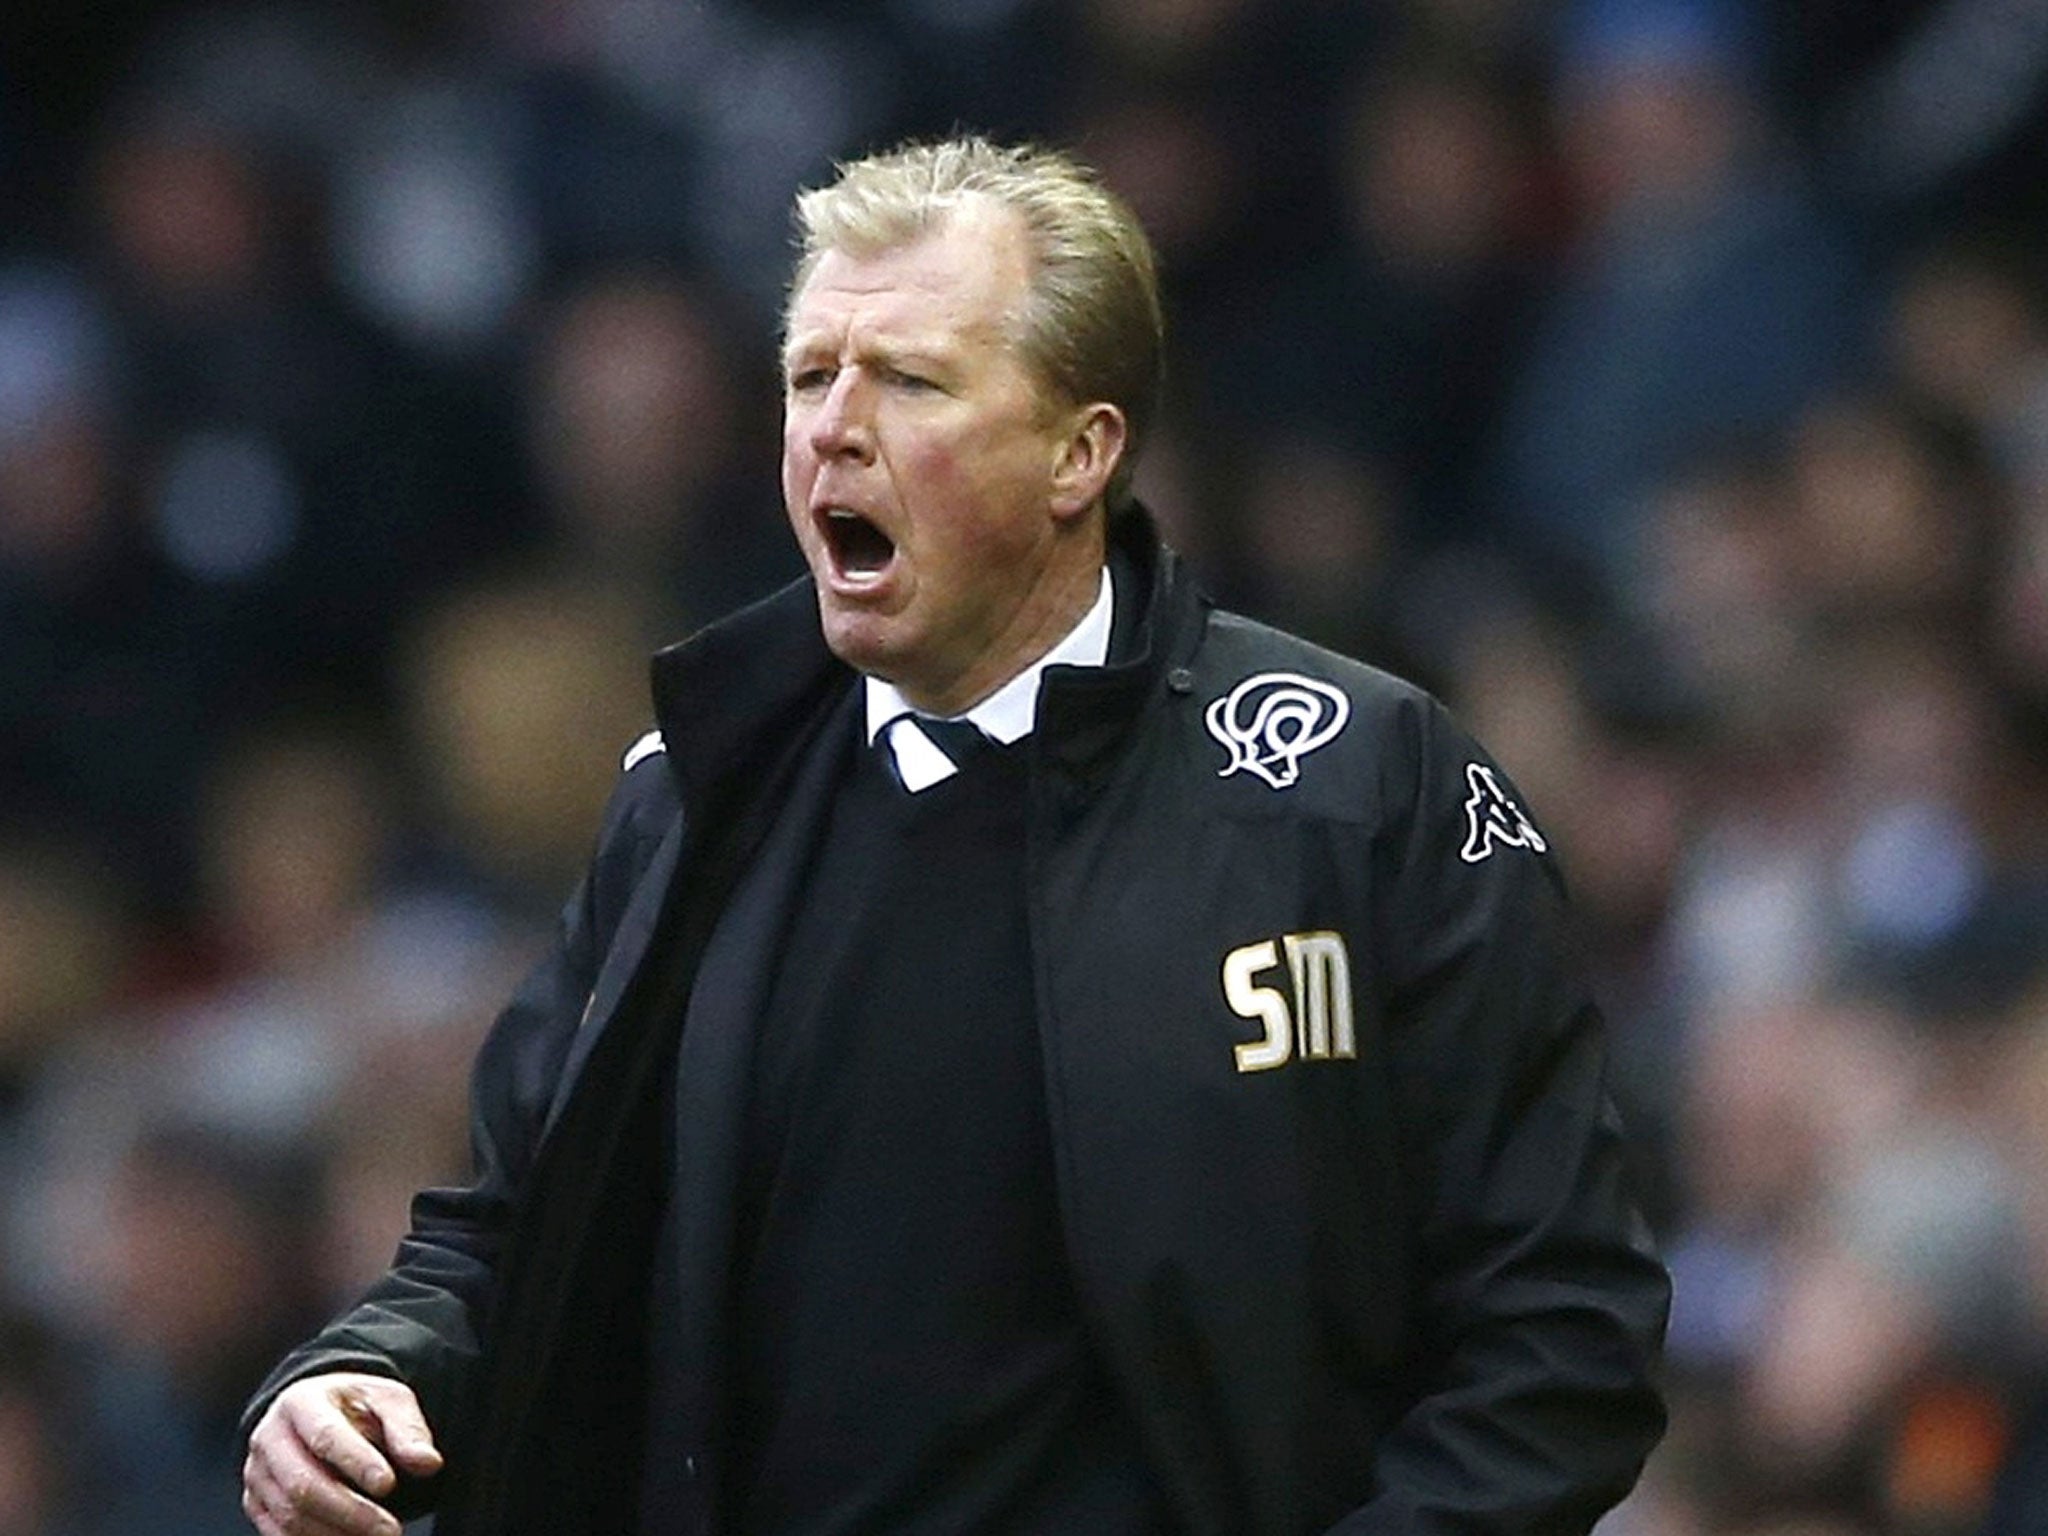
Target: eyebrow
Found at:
913, 354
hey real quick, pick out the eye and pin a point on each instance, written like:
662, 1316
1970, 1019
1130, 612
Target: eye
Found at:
803, 381
901, 379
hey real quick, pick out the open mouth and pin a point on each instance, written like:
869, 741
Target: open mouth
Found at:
859, 548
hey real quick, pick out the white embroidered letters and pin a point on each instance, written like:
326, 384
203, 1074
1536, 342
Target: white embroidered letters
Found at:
1318, 1026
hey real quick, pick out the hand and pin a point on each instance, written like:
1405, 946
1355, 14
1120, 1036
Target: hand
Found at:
321, 1441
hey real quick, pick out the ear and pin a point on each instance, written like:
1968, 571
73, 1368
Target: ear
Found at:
1088, 455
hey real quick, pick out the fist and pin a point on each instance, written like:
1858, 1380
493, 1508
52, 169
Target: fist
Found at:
327, 1448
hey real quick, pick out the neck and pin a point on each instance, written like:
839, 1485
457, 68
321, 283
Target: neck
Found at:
1058, 602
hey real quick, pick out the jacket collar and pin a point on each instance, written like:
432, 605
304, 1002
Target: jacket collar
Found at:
1085, 713
730, 695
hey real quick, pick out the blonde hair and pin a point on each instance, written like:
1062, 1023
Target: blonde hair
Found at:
1091, 327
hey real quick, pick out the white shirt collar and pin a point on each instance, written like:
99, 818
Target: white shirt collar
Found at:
1011, 712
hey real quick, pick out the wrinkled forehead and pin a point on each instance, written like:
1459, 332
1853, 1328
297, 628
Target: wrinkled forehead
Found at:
966, 270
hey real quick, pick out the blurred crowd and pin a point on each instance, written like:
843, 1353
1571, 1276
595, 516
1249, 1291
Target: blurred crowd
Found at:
1664, 382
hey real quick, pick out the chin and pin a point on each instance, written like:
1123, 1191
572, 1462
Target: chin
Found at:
859, 639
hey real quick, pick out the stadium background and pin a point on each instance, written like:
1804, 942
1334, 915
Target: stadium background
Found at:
1664, 382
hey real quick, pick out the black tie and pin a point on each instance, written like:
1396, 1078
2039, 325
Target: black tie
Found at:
960, 740
955, 740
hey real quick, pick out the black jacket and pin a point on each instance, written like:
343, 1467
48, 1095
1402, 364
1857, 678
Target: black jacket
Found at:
1341, 1184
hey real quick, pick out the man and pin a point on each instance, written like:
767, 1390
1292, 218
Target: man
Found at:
1163, 1108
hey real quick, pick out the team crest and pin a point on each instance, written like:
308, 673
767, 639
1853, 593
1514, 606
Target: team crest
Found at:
1272, 720
1492, 818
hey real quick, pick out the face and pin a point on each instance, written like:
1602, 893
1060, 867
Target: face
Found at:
942, 501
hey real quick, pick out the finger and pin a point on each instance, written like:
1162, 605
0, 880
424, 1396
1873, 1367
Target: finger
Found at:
278, 1512
257, 1511
326, 1428
303, 1494
270, 1521
390, 1414
295, 1504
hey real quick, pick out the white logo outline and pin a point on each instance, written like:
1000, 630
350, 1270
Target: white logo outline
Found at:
1312, 710
649, 744
1492, 817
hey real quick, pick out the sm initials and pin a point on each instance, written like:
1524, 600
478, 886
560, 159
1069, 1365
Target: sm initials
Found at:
1315, 1022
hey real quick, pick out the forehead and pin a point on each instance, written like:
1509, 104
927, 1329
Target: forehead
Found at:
967, 277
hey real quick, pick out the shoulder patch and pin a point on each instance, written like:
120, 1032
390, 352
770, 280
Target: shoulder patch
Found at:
1272, 720
1492, 818
642, 749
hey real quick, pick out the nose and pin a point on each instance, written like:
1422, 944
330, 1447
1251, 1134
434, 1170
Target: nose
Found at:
841, 428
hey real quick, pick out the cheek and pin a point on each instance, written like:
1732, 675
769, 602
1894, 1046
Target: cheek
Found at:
975, 505
807, 541
938, 471
798, 471
795, 457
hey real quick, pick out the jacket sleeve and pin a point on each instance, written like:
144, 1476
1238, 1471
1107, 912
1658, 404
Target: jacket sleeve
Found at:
419, 1321
1542, 1300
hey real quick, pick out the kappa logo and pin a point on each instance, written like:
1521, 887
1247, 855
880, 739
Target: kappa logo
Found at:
1272, 720
1492, 817
1312, 1019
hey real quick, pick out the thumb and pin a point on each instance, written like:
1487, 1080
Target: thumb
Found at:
402, 1426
